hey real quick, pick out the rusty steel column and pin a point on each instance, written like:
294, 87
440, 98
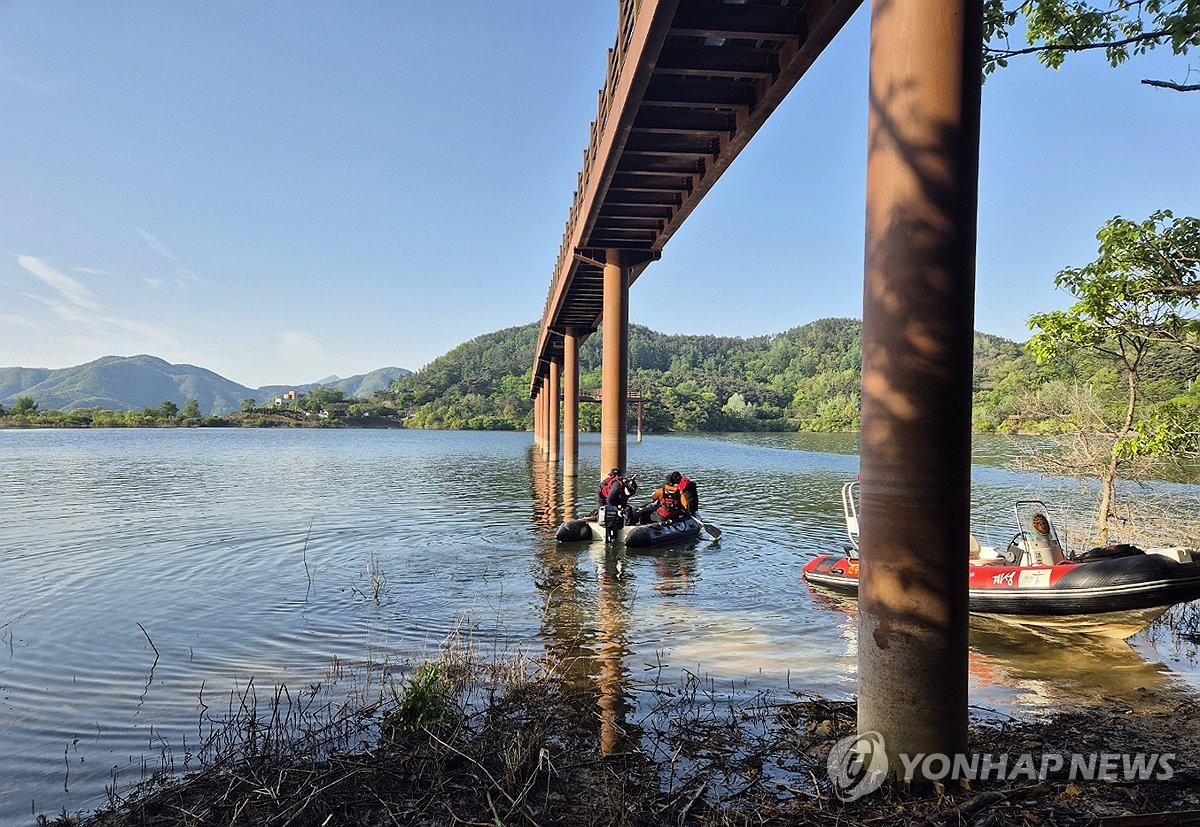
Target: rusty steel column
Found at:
918, 333
537, 421
545, 397
614, 377
552, 383
570, 403
541, 401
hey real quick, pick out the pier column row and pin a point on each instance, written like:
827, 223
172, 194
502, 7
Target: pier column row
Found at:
544, 398
539, 413
537, 421
570, 379
918, 333
614, 363
552, 391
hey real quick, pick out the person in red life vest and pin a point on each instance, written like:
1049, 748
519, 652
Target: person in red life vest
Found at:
676, 499
615, 489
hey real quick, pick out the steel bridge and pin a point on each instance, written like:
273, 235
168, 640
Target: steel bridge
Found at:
689, 83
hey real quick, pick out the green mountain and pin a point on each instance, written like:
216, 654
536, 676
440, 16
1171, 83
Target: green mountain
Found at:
122, 383
361, 386
138, 382
806, 378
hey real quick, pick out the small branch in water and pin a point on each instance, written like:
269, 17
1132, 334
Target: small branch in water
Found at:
150, 677
304, 557
151, 642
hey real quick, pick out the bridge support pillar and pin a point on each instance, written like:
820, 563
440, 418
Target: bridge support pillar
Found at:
614, 376
570, 403
918, 333
537, 421
552, 391
545, 417
544, 413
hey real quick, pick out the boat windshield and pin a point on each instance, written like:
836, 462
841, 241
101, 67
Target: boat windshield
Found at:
1037, 533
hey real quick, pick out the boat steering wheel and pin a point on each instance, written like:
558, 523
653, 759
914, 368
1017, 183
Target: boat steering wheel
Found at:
1013, 551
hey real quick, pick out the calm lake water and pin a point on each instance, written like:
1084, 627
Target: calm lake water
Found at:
291, 557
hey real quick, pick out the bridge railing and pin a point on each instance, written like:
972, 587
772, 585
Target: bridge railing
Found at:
627, 15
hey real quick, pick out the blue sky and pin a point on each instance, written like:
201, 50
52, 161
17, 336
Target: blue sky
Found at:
283, 191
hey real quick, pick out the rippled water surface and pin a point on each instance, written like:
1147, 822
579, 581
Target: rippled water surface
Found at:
143, 572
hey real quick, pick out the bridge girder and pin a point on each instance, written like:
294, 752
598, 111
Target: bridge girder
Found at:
689, 83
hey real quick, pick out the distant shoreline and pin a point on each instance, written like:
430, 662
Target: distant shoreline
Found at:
239, 420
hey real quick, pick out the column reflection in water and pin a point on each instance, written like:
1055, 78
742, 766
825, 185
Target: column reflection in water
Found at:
585, 626
612, 612
545, 500
568, 502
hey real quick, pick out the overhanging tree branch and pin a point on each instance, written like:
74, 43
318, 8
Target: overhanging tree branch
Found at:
1156, 36
1169, 84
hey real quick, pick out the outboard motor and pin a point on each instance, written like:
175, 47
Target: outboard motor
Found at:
613, 518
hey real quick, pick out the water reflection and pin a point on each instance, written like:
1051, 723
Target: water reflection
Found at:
675, 569
611, 648
1014, 666
585, 626
264, 555
542, 481
1041, 671
568, 498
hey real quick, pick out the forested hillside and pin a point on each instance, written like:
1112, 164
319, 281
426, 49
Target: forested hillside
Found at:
122, 383
805, 379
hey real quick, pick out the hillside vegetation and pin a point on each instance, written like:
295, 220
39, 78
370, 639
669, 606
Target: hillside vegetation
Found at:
807, 378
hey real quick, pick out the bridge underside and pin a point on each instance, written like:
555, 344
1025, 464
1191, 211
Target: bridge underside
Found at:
693, 81
690, 82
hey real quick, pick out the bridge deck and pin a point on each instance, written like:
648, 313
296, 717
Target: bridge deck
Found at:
689, 82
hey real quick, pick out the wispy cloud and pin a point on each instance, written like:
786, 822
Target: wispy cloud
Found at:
21, 321
91, 271
72, 302
70, 289
153, 282
156, 245
164, 251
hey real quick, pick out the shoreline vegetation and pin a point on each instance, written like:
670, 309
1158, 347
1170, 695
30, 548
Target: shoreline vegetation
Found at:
518, 741
74, 420
805, 379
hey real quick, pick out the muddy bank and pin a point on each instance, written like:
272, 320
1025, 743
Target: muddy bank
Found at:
522, 746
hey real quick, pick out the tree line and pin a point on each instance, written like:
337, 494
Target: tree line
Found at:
806, 379
321, 407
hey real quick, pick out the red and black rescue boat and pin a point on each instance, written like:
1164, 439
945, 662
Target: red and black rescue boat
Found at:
1111, 592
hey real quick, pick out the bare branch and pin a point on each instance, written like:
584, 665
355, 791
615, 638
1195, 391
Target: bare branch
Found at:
1170, 84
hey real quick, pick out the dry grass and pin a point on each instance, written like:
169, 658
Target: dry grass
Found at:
514, 742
